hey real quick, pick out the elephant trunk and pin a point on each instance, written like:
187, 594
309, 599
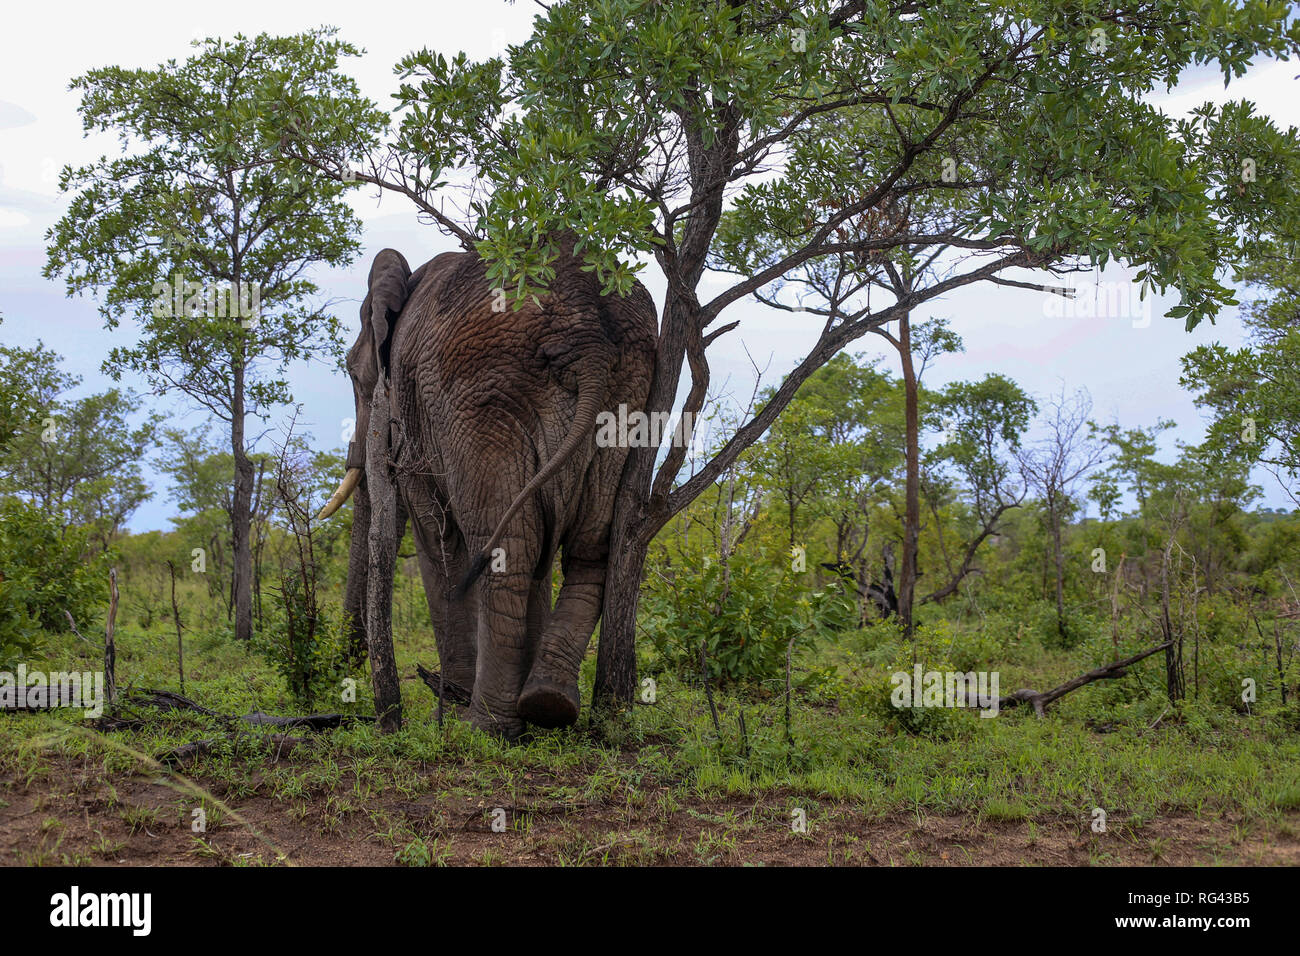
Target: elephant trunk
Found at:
387, 522
354, 600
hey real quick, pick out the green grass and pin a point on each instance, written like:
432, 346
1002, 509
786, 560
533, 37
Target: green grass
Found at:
1199, 759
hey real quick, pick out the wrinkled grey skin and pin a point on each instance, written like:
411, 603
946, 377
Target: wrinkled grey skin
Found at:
482, 401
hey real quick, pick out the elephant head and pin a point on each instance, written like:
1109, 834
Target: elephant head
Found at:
369, 357
367, 361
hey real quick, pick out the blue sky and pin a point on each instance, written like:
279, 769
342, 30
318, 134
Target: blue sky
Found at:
1129, 365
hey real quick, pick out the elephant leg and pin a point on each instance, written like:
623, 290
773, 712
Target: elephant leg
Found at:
550, 696
539, 600
504, 649
442, 556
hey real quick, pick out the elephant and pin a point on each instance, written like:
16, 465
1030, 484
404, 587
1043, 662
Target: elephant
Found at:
494, 454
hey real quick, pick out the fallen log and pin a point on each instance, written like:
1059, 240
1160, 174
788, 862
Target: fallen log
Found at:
309, 722
1039, 701
169, 700
111, 722
445, 689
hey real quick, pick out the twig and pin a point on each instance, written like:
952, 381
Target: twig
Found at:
1156, 722
73, 624
176, 619
708, 691
110, 649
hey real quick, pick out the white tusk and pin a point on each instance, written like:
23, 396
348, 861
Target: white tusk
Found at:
346, 487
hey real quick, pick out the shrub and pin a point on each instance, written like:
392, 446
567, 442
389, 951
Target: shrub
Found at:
303, 642
934, 644
746, 618
998, 636
44, 572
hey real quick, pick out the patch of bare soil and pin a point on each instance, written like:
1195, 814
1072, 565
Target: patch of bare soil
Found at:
144, 821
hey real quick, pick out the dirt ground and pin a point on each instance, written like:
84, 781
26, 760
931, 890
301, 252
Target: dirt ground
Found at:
147, 821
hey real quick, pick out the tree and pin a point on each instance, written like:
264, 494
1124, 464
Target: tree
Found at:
864, 428
1133, 465
304, 640
1214, 488
77, 460
830, 456
1254, 392
46, 575
987, 420
832, 446
769, 139
30, 383
1053, 468
928, 340
200, 475
84, 468
192, 234
793, 467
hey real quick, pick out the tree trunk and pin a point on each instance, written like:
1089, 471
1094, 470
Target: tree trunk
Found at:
110, 646
257, 538
176, 619
241, 510
912, 510
615, 685
629, 538
1173, 659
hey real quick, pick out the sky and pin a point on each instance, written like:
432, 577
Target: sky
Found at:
1122, 350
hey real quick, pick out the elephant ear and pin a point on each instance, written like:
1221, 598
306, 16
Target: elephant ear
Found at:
388, 289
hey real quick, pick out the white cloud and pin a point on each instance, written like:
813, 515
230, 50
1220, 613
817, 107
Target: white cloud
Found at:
12, 219
12, 115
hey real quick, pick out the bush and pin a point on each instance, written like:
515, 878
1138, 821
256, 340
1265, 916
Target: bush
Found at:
44, 572
934, 651
998, 636
877, 642
303, 642
746, 618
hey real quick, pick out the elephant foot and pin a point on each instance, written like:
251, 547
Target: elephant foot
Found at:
549, 705
509, 731
507, 728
